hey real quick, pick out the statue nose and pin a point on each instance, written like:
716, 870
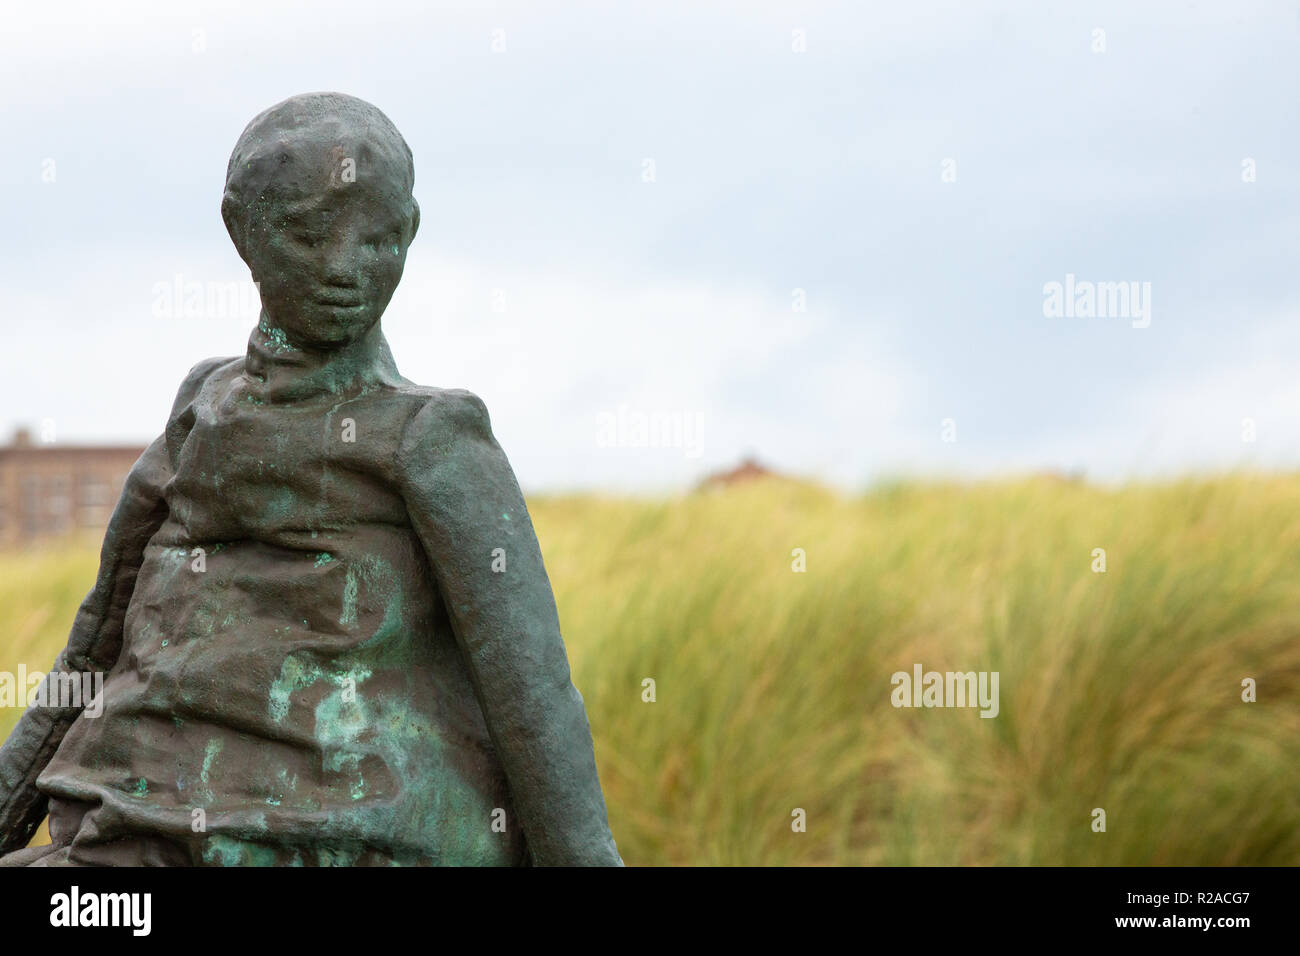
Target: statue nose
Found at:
340, 269
341, 260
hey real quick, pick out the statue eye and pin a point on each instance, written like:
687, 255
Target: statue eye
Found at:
389, 242
301, 233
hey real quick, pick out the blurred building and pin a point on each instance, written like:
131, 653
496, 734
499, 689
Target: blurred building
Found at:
748, 470
54, 489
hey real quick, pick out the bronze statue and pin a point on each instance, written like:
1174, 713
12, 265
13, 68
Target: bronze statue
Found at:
328, 632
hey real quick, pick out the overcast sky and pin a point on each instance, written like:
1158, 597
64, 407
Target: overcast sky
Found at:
809, 231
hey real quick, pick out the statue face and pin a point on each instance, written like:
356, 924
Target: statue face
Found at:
327, 244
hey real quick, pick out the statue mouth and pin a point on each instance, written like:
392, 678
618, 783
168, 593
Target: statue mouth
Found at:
338, 301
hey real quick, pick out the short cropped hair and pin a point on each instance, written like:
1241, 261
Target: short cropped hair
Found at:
275, 134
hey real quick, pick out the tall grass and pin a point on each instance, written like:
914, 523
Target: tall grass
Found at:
1118, 690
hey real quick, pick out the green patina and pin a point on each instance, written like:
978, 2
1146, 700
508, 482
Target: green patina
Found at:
298, 672
349, 616
278, 341
281, 506
222, 850
210, 753
283, 786
410, 745
351, 730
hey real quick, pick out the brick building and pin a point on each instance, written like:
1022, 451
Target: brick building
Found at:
53, 489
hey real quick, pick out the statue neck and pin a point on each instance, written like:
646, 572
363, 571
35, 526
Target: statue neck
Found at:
281, 371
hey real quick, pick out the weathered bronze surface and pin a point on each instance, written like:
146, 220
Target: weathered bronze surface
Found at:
328, 634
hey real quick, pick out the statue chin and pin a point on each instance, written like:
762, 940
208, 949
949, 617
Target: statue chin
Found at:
327, 329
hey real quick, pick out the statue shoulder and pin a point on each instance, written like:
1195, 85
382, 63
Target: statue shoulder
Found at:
447, 426
444, 415
182, 416
194, 379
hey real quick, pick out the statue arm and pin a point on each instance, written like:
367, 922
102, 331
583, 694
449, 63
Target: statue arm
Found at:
93, 646
95, 640
465, 503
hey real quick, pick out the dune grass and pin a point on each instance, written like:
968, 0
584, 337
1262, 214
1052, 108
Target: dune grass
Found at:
1119, 690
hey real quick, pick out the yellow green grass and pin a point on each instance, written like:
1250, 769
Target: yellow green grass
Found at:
1119, 690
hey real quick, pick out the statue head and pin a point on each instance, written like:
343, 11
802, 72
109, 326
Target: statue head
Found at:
318, 202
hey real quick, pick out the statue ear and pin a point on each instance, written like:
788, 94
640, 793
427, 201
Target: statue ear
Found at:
231, 216
415, 221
